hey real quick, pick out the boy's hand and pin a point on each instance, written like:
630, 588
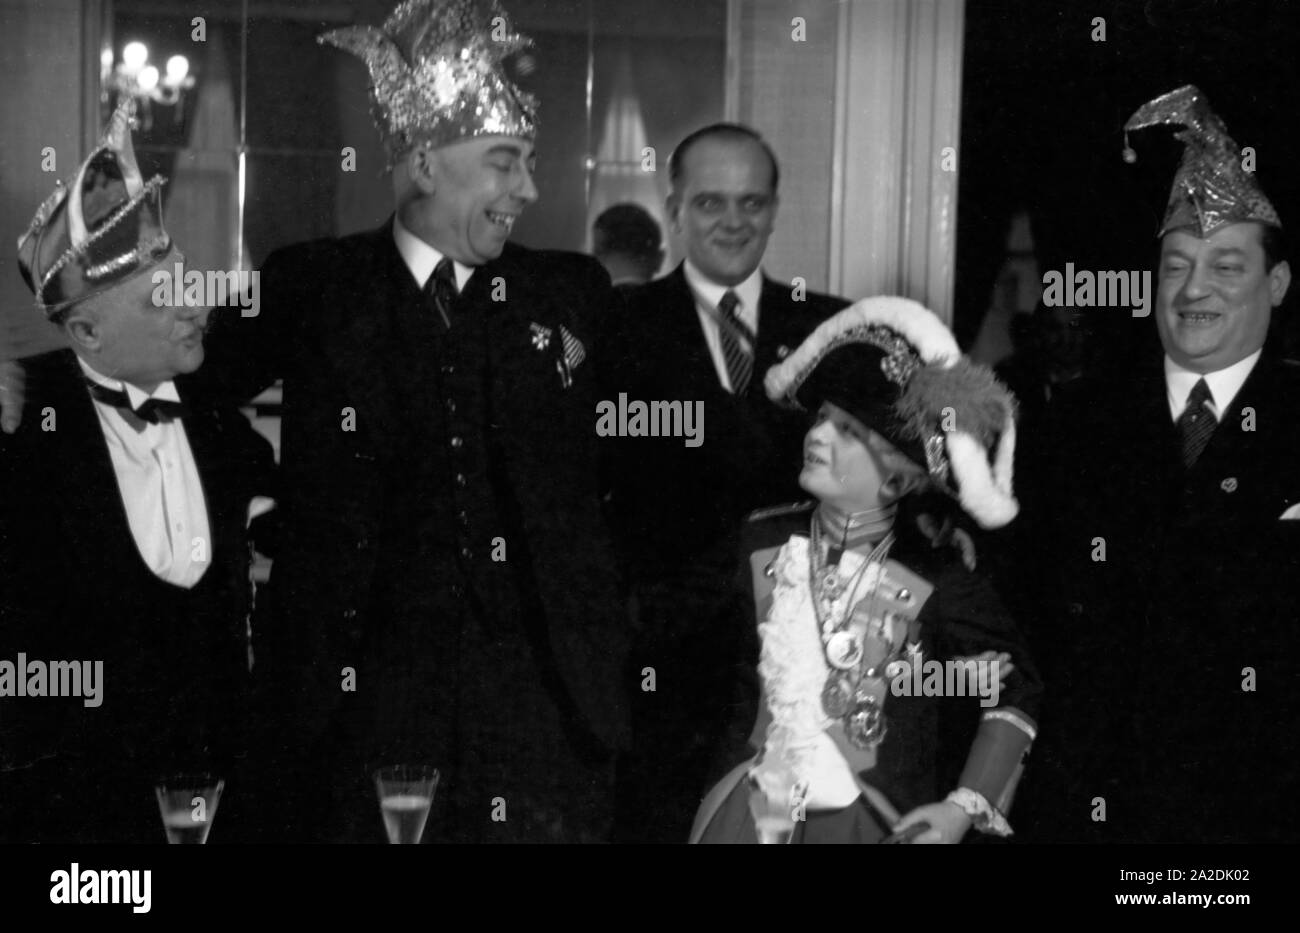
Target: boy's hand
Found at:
948, 823
1003, 659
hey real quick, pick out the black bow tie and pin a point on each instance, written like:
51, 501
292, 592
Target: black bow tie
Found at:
152, 410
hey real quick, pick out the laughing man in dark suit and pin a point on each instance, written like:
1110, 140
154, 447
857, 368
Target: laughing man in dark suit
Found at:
444, 592
1174, 551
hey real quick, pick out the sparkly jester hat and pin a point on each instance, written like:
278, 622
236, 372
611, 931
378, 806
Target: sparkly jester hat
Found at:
894, 366
100, 229
437, 73
1211, 188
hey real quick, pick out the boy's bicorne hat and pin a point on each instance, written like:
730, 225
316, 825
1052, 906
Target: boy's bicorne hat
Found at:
894, 366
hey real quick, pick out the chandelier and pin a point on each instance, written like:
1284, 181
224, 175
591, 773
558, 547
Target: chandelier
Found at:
132, 75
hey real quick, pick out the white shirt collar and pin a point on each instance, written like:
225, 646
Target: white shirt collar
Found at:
166, 391
422, 259
1224, 384
708, 293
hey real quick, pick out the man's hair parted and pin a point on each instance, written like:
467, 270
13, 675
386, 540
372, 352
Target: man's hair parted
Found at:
730, 131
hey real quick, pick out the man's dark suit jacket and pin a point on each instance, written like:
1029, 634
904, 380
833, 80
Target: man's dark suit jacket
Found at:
74, 587
1172, 662
407, 452
677, 505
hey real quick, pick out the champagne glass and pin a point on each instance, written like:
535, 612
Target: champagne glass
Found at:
188, 803
775, 801
405, 796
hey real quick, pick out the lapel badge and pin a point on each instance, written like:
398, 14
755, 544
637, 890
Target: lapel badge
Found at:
1229, 484
541, 336
574, 351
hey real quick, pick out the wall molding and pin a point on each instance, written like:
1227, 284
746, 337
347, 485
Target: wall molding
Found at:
883, 217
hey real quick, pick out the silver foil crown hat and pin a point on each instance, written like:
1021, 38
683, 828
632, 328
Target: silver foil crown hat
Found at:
438, 73
1210, 189
104, 226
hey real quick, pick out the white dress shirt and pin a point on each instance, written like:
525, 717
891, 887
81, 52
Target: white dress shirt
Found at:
422, 259
1224, 384
707, 295
160, 486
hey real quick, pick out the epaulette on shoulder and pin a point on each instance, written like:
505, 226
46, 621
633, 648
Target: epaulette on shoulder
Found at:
776, 511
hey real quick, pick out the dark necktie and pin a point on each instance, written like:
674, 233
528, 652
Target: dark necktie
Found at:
740, 361
152, 410
442, 287
1196, 423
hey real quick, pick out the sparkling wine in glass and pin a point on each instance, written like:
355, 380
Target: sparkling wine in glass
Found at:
188, 803
405, 796
773, 804
774, 830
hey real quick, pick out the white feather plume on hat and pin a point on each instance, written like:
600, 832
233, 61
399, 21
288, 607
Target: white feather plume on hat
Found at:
982, 476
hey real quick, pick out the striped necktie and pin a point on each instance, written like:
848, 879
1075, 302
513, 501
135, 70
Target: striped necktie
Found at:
442, 287
739, 359
1196, 423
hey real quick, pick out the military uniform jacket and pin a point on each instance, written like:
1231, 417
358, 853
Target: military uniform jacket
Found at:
928, 747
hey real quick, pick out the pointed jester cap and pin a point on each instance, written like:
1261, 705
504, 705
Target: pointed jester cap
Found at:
438, 73
1211, 189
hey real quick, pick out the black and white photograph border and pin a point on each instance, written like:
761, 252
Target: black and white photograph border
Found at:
649, 422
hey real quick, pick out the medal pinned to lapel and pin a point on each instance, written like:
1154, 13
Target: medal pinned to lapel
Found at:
866, 724
844, 650
541, 341
574, 351
837, 696
567, 361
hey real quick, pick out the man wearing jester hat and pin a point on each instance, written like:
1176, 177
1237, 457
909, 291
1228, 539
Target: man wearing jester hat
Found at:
442, 537
1175, 545
123, 552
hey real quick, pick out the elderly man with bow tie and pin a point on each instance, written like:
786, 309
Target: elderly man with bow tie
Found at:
123, 549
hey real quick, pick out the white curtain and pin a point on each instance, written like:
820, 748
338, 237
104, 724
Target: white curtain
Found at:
203, 206
619, 174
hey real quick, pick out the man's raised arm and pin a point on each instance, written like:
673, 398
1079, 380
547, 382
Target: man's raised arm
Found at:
245, 343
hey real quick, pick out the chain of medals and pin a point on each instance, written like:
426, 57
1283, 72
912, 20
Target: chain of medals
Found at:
847, 695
